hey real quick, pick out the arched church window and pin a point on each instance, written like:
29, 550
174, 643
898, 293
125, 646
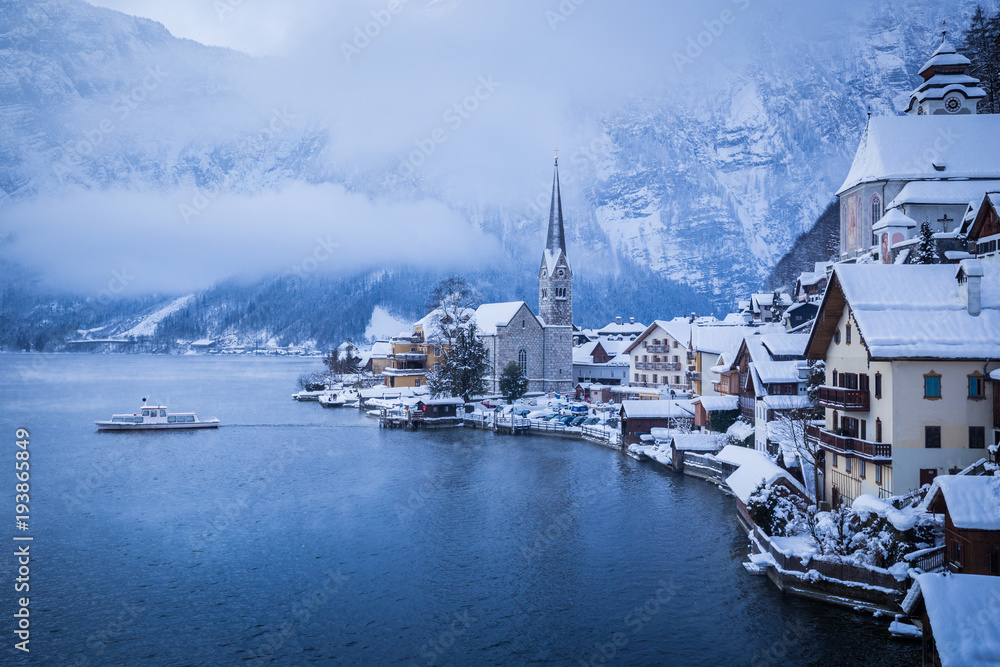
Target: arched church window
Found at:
522, 361
876, 209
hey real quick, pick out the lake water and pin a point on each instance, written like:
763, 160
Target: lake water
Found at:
300, 535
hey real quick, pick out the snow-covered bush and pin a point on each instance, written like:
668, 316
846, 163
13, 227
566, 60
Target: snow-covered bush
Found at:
776, 510
872, 538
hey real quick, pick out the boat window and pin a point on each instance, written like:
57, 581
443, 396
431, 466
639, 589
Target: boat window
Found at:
145, 413
137, 420
163, 413
117, 419
171, 419
189, 418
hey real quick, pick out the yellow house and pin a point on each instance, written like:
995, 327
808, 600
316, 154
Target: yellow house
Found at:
908, 350
416, 353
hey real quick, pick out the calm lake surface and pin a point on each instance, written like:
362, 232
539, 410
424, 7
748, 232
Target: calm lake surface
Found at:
300, 535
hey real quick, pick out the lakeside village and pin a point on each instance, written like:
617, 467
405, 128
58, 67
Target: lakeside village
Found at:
856, 421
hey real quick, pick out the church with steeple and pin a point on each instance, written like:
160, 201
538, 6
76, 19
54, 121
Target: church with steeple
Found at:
926, 166
541, 345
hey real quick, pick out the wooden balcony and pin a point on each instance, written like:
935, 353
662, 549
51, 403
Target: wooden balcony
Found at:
847, 445
848, 400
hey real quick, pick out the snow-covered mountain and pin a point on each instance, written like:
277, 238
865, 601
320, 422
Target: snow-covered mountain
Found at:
706, 186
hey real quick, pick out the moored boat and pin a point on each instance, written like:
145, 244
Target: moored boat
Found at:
155, 418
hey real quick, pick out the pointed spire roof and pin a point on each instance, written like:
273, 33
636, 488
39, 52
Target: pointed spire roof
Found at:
556, 239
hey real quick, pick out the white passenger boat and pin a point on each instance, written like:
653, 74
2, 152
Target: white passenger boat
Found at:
155, 418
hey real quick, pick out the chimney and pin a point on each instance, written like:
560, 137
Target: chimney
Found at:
970, 279
631, 320
618, 320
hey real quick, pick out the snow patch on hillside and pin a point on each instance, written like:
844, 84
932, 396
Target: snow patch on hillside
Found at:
147, 327
384, 324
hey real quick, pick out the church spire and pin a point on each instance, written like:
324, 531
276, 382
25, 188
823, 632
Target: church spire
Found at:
556, 239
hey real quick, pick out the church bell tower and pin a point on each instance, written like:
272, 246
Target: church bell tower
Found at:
555, 277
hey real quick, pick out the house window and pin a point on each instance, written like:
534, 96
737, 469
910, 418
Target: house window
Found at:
932, 437
878, 385
836, 336
878, 430
861, 468
848, 330
956, 554
654, 378
834, 460
977, 387
676, 345
416, 382
977, 437
932, 386
876, 209
847, 464
878, 474
833, 381
522, 361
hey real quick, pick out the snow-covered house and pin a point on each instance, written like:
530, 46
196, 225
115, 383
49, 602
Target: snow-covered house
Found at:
773, 378
958, 616
601, 361
907, 351
763, 309
983, 228
709, 341
415, 352
971, 508
638, 418
928, 164
621, 330
809, 285
661, 356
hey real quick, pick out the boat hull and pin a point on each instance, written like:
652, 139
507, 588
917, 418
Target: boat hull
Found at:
118, 426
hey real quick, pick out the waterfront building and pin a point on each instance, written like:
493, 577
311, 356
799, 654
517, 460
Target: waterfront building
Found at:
908, 352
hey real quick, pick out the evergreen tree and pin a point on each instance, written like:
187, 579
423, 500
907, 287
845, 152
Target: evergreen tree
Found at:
777, 307
981, 44
513, 382
925, 252
464, 368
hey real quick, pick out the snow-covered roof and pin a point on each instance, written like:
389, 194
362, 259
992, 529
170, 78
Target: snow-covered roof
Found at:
769, 371
945, 56
717, 338
809, 278
787, 402
740, 430
962, 609
678, 328
695, 442
662, 409
943, 192
767, 299
907, 148
381, 348
915, 311
489, 315
973, 502
614, 328
785, 345
736, 455
718, 403
894, 218
433, 328
753, 471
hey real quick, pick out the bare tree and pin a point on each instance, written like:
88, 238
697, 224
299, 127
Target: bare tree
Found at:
453, 298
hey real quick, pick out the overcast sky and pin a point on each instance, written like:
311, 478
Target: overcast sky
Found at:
527, 76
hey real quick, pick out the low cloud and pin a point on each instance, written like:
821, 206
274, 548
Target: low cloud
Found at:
83, 240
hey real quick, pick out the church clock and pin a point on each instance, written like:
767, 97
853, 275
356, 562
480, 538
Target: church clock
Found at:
953, 104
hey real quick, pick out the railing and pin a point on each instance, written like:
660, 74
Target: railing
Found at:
928, 560
612, 438
838, 398
410, 356
657, 348
844, 444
